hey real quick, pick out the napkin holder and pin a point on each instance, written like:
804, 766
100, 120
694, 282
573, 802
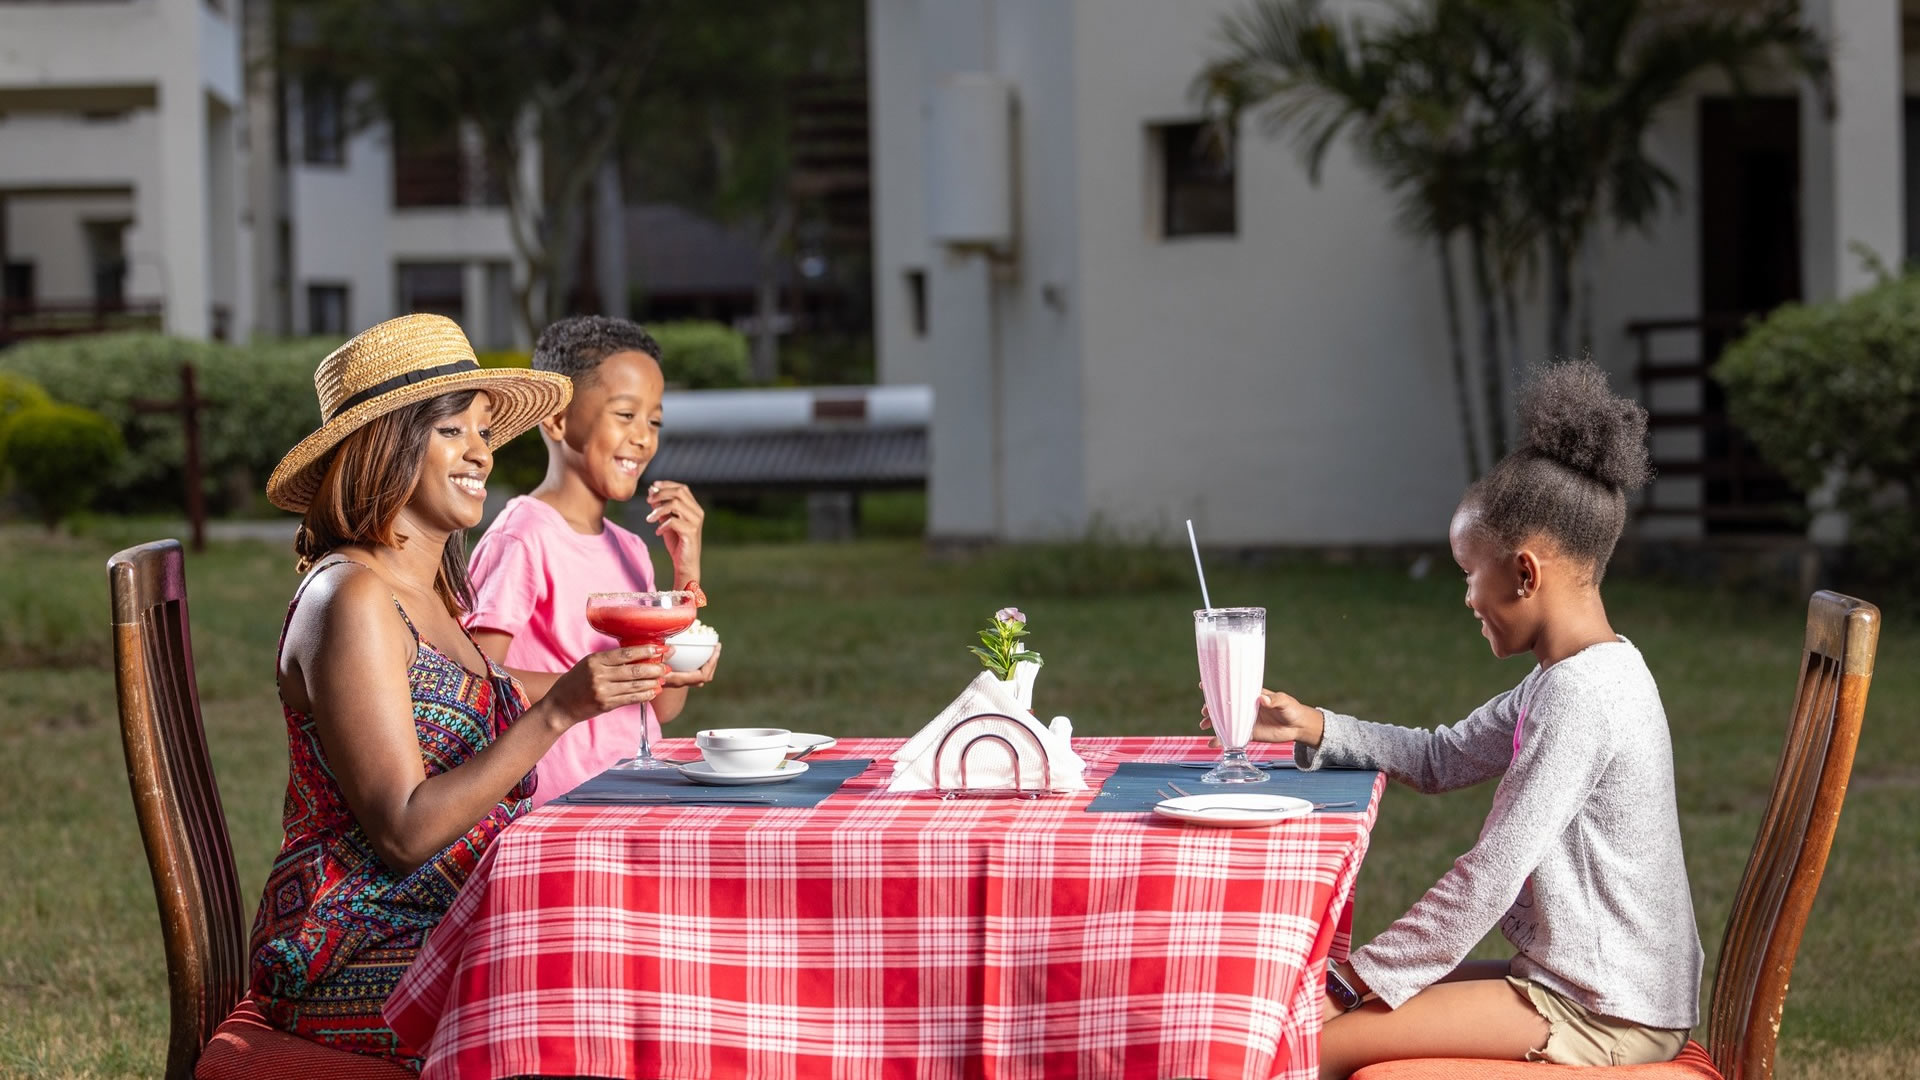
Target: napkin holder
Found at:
950, 759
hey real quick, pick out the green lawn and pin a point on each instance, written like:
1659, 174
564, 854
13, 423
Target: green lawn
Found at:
869, 639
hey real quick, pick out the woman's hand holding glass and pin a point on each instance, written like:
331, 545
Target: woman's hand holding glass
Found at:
608, 680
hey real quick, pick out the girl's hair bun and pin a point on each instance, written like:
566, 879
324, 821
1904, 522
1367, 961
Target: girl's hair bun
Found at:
1569, 415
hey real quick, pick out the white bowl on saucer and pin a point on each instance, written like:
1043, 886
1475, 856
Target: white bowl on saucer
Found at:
702, 772
743, 750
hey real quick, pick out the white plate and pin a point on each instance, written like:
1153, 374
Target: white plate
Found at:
702, 773
1234, 810
800, 740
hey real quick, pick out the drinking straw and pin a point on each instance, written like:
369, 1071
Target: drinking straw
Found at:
1196, 565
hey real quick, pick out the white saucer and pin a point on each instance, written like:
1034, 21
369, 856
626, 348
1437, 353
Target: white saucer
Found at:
1234, 810
702, 773
800, 740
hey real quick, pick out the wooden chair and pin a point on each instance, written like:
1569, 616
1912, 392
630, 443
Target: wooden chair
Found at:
1783, 872
184, 830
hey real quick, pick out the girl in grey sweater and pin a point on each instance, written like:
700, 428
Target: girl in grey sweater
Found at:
1579, 862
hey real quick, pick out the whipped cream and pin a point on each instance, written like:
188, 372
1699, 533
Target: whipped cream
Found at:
696, 633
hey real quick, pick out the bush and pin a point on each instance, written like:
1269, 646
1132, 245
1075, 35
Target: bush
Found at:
261, 404
1830, 394
702, 355
16, 394
60, 454
694, 355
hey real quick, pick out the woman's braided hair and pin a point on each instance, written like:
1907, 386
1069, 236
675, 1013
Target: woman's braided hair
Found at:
1582, 448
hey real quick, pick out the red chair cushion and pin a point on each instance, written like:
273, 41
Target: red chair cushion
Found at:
1692, 1064
246, 1047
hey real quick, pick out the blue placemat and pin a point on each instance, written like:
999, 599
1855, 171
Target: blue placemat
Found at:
822, 779
1131, 788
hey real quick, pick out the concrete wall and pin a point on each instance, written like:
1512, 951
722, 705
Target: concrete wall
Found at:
49, 231
1289, 383
897, 121
346, 231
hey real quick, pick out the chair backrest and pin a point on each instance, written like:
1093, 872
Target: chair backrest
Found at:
1790, 852
175, 798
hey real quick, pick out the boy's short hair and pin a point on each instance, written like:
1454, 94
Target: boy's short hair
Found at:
575, 346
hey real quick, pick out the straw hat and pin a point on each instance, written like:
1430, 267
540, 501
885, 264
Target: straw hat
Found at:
401, 361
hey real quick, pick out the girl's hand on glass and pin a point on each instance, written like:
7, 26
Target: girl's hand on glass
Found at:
604, 681
1281, 718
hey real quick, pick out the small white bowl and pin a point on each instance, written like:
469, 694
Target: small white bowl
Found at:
690, 655
743, 750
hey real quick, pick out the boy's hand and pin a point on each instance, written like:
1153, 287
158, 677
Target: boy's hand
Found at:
680, 518
700, 676
1281, 718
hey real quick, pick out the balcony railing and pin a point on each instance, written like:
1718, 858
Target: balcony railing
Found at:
20, 319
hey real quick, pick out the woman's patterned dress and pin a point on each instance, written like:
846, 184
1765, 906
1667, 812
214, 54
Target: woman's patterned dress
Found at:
337, 928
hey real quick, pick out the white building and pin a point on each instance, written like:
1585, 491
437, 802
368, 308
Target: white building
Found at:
121, 160
1252, 351
151, 158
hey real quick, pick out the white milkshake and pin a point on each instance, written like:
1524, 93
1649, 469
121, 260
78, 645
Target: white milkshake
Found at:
1232, 643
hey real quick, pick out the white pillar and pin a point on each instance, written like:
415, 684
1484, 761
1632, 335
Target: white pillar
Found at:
1852, 162
181, 231
965, 440
223, 239
473, 302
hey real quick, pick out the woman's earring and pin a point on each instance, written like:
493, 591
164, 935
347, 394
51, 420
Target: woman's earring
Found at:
1521, 591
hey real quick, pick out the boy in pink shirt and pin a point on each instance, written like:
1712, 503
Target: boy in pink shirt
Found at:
547, 551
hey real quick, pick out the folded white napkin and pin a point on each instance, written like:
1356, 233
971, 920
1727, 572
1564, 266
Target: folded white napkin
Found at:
987, 765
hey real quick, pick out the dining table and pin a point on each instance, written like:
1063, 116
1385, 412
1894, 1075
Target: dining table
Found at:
881, 934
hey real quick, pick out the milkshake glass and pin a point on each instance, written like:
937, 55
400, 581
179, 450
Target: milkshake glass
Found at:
1232, 643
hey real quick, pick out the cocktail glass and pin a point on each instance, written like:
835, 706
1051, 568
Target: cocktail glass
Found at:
642, 618
1232, 643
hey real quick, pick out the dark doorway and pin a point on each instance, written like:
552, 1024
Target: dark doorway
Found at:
1749, 264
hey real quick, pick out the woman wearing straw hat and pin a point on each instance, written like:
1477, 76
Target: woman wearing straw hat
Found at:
410, 749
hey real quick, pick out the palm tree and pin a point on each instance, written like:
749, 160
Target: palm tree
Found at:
1605, 69
1518, 124
1411, 94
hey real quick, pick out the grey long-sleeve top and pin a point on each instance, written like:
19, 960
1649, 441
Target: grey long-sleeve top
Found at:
1579, 862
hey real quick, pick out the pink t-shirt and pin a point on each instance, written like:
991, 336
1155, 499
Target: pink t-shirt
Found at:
531, 575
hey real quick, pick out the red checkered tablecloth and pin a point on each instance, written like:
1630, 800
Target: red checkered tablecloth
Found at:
880, 936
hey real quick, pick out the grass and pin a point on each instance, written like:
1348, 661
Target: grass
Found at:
869, 639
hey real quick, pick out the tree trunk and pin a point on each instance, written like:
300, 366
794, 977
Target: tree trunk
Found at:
1493, 356
766, 295
1559, 298
1457, 353
610, 239
1585, 263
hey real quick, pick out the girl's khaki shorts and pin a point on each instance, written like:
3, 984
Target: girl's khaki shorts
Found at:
1578, 1037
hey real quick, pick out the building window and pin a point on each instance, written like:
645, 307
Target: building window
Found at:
434, 289
323, 121
1198, 194
917, 302
107, 261
16, 285
327, 310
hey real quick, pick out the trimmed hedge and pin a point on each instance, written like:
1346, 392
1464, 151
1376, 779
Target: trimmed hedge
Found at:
1830, 394
17, 394
261, 404
694, 355
60, 455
